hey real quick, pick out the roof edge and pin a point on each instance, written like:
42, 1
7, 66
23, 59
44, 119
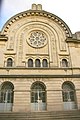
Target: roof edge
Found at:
37, 13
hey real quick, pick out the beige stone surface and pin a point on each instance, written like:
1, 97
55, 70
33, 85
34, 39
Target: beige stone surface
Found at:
60, 45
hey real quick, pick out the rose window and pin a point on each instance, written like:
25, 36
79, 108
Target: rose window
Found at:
37, 39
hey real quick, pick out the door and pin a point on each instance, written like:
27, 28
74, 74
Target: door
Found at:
6, 97
38, 97
69, 97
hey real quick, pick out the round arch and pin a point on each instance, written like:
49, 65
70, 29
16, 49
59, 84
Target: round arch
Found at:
38, 96
6, 96
64, 63
44, 63
37, 63
9, 62
39, 13
7, 82
69, 95
38, 82
30, 62
68, 83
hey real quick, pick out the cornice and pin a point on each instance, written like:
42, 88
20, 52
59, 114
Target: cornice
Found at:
3, 38
40, 76
38, 13
72, 40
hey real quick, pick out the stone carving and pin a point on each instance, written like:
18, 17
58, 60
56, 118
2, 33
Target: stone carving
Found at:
11, 43
62, 45
39, 13
20, 51
37, 39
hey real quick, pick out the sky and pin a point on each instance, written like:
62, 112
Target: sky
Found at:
67, 10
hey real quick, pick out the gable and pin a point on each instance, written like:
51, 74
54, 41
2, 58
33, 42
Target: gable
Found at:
36, 34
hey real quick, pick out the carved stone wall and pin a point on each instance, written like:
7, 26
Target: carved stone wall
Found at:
18, 35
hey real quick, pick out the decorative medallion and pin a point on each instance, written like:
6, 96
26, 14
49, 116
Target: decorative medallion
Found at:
37, 39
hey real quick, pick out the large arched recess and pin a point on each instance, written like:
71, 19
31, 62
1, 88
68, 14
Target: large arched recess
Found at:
6, 96
69, 96
38, 96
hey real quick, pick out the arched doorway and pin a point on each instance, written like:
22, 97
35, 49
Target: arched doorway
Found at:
69, 96
6, 96
38, 96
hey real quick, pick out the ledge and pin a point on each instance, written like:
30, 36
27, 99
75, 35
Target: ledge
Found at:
73, 40
3, 38
39, 72
40, 76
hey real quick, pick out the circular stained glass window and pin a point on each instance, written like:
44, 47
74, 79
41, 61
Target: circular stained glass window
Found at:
37, 39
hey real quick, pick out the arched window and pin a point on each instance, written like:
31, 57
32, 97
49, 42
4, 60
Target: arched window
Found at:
68, 92
44, 63
69, 95
37, 63
64, 63
6, 96
38, 96
9, 62
30, 63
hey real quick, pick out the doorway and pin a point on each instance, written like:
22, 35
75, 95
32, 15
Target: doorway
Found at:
69, 96
38, 96
6, 96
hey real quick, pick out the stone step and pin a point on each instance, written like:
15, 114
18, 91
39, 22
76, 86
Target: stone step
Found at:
58, 115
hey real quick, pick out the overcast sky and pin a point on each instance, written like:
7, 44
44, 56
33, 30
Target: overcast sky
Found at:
67, 10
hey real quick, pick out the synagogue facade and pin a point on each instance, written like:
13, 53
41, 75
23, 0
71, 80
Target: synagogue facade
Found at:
39, 63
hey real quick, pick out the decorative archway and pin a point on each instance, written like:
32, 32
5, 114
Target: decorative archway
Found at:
38, 96
6, 96
69, 96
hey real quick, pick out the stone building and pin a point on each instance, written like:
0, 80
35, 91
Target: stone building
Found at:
39, 63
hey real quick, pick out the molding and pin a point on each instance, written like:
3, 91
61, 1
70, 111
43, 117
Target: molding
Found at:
40, 76
3, 38
40, 68
71, 40
37, 13
9, 53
